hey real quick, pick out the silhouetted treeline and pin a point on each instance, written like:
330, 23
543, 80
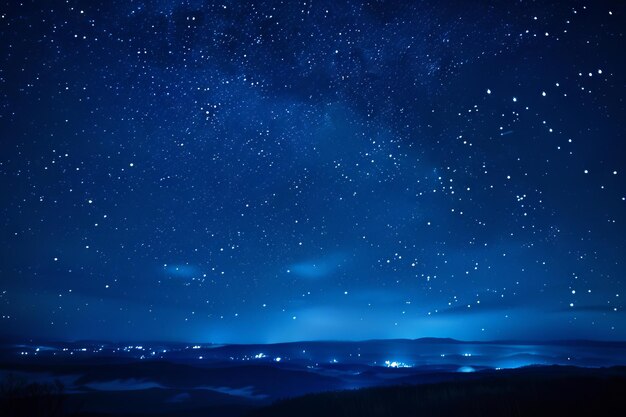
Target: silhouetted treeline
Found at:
20, 398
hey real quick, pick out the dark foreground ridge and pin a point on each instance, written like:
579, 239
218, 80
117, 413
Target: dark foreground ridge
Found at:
541, 391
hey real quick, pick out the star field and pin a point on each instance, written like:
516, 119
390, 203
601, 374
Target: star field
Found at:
272, 171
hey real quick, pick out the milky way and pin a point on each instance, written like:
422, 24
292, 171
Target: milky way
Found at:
276, 171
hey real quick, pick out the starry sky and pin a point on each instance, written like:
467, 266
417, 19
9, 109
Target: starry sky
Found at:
266, 171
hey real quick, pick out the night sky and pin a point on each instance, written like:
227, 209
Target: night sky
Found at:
299, 170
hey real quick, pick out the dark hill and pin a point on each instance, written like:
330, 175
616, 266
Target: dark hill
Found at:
551, 391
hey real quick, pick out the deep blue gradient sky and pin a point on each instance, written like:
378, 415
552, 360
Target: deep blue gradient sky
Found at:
271, 171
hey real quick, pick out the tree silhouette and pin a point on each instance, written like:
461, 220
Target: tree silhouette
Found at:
20, 398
